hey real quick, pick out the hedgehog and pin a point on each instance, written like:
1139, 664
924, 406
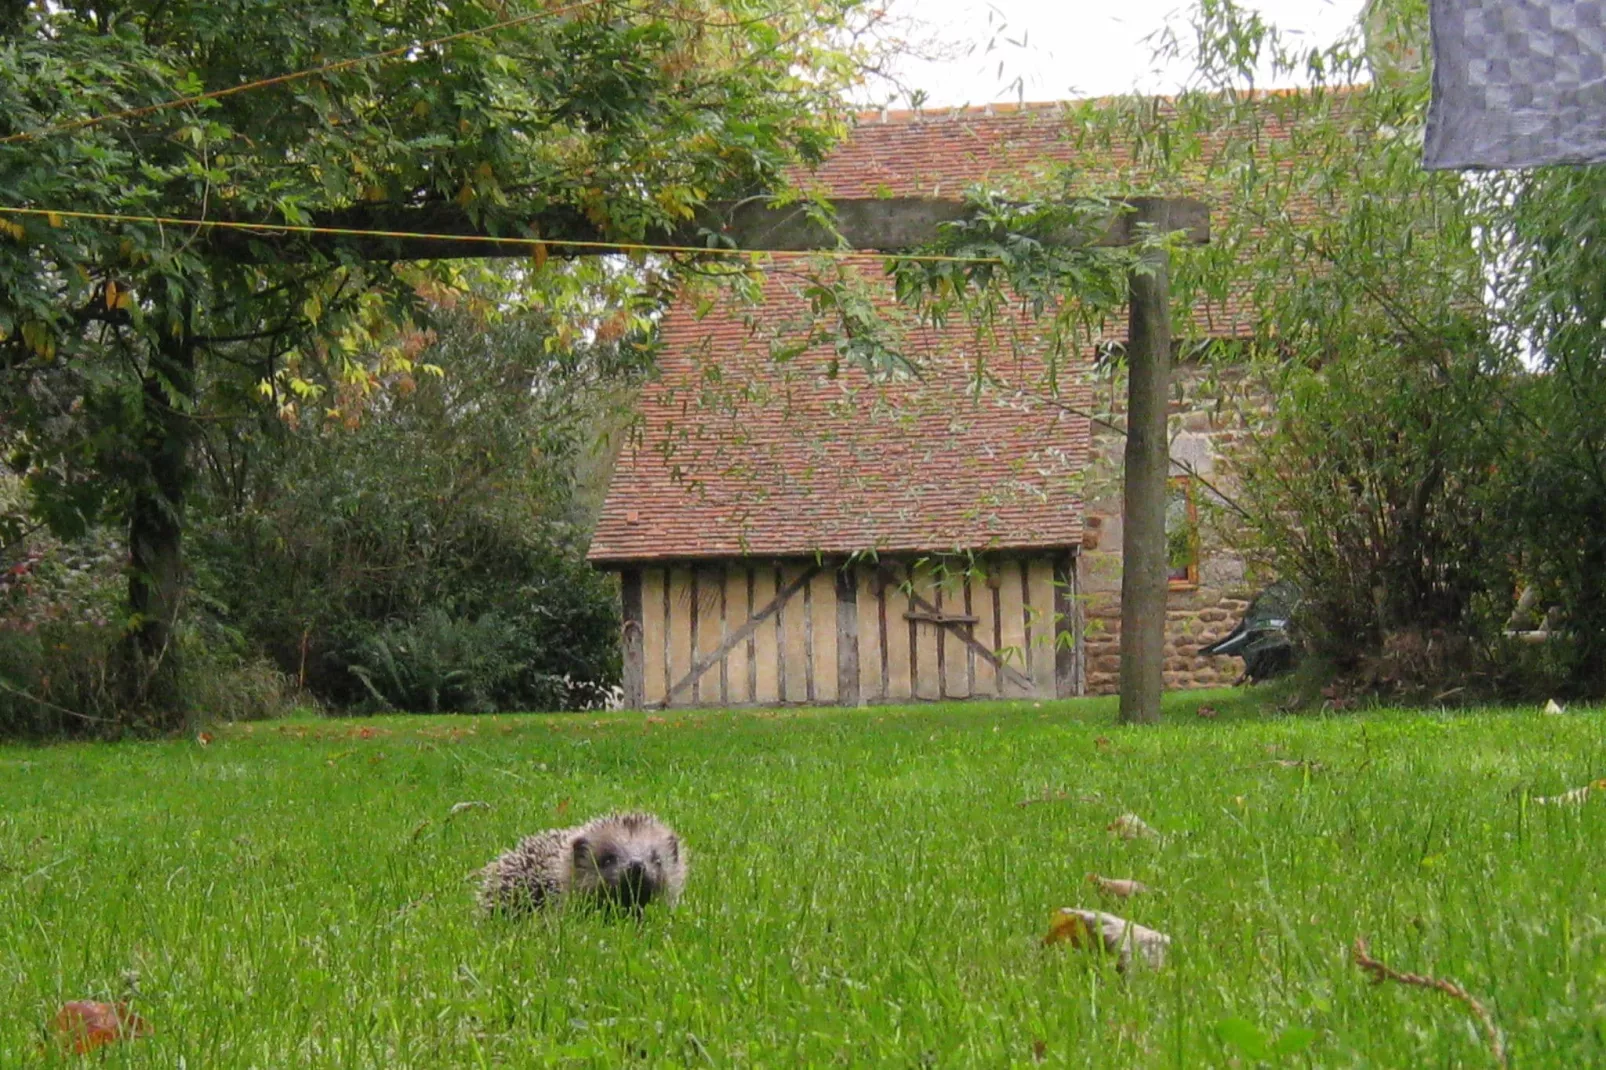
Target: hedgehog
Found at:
619, 860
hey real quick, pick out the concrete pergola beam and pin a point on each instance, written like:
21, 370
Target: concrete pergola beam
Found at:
434, 232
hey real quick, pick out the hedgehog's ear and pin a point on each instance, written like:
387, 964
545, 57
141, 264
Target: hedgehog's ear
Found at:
582, 849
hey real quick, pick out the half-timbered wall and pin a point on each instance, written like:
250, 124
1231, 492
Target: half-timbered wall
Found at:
743, 633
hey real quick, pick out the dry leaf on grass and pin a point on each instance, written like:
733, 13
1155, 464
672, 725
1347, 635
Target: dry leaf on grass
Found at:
1047, 795
1120, 887
1553, 707
1130, 827
1096, 930
204, 738
463, 807
1297, 763
1207, 712
88, 1025
1577, 795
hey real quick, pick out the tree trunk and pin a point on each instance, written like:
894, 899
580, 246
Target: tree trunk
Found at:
156, 529
1143, 552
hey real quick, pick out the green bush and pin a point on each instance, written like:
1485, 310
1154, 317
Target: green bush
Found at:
431, 558
1371, 491
56, 679
61, 670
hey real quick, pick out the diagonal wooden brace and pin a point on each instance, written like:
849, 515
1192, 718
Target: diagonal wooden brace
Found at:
713, 657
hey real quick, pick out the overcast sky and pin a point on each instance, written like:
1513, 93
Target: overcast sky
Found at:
1064, 49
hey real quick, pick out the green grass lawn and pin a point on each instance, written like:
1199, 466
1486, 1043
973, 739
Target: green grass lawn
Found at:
865, 889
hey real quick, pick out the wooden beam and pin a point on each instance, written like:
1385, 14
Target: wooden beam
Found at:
1143, 549
964, 632
1066, 637
434, 231
635, 660
941, 617
701, 665
847, 636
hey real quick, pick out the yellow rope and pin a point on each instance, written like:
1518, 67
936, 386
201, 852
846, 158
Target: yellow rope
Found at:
55, 215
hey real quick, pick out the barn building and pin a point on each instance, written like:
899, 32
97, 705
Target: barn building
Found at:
794, 531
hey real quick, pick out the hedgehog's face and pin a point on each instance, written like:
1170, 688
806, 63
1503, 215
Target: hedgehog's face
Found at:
625, 870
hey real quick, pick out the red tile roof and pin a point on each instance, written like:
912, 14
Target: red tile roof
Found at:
740, 455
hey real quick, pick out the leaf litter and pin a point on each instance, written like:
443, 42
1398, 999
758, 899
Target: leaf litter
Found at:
1577, 795
1094, 930
87, 1025
1131, 827
1119, 887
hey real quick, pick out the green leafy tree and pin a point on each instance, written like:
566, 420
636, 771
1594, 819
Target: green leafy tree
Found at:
1550, 284
1431, 342
120, 339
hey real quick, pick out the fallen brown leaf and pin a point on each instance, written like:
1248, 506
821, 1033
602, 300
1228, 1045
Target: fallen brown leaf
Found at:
1577, 795
1120, 887
1130, 827
1102, 743
1208, 712
204, 738
88, 1025
1096, 930
563, 806
1039, 1049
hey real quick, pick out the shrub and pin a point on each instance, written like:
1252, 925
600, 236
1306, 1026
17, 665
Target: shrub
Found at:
1372, 491
61, 631
431, 558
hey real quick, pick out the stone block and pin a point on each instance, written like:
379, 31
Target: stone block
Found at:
1221, 570
1192, 449
1102, 570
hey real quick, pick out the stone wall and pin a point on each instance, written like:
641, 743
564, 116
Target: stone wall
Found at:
1210, 413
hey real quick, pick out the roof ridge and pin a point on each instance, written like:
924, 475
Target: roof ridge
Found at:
1000, 108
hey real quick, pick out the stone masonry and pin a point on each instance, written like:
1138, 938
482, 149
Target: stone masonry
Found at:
1209, 415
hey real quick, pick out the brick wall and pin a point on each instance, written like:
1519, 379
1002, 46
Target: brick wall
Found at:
1210, 413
